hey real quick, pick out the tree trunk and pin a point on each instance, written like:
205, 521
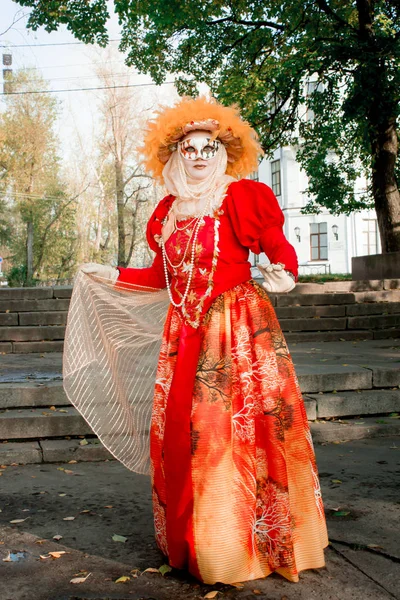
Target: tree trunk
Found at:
29, 251
384, 185
119, 184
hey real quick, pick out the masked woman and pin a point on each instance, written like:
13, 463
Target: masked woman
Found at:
235, 487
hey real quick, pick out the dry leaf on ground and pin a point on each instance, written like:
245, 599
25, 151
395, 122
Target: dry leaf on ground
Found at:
151, 570
57, 554
57, 537
211, 594
8, 558
68, 518
122, 579
165, 569
79, 579
14, 521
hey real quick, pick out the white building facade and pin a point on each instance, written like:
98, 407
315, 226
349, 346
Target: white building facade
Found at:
324, 243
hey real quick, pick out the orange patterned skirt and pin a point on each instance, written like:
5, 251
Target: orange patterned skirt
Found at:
236, 492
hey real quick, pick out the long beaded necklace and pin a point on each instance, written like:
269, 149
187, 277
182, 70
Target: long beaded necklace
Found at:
195, 234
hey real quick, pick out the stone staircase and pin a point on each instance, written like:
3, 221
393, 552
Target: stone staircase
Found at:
350, 390
33, 319
340, 337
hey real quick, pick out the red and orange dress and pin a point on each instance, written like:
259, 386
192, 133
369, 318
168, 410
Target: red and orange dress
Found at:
236, 492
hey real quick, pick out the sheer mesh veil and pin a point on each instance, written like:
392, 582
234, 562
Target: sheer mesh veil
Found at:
111, 350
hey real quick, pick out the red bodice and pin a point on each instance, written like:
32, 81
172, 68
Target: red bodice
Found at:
248, 219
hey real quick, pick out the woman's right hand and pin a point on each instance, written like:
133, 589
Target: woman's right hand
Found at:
103, 271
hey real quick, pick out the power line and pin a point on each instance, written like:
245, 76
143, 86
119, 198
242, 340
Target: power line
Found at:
89, 89
45, 45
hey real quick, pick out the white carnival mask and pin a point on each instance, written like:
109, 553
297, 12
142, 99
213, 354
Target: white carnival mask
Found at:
198, 147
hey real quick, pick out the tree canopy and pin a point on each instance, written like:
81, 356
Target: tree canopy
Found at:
279, 61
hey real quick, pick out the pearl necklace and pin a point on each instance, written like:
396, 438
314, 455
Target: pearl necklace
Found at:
195, 234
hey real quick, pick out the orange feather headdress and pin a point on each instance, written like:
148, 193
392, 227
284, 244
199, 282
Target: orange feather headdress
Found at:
172, 123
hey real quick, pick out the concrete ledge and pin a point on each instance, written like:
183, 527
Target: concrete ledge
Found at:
376, 266
6, 347
382, 377
295, 299
309, 312
325, 324
17, 395
7, 319
33, 305
62, 291
23, 453
311, 408
41, 423
31, 334
328, 336
360, 310
368, 427
385, 334
346, 404
66, 450
374, 322
37, 347
341, 378
25, 293
43, 318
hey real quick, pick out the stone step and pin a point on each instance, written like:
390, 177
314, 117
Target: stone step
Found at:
37, 423
34, 293
374, 322
53, 451
310, 312
354, 429
43, 318
295, 299
32, 393
33, 305
372, 308
31, 334
316, 324
330, 336
364, 402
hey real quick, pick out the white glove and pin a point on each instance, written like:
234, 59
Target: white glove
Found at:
103, 271
276, 279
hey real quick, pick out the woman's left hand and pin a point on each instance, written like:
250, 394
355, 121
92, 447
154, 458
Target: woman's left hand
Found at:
276, 279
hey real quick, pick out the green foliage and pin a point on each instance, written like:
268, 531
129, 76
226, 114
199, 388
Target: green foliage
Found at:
17, 277
260, 55
322, 277
31, 190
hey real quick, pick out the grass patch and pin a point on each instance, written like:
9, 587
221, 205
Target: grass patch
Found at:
322, 277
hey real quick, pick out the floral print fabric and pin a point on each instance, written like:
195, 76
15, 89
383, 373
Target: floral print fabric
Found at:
256, 501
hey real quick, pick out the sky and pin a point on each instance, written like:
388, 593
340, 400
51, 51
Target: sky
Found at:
67, 65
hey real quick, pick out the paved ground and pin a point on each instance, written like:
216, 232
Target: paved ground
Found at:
360, 483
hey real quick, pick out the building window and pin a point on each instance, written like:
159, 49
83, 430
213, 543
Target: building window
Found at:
254, 176
370, 236
319, 241
276, 177
312, 86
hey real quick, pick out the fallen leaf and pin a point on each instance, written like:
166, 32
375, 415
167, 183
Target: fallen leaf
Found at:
109, 506
68, 518
237, 585
256, 592
341, 513
52, 408
122, 579
165, 569
84, 511
119, 538
72, 462
62, 494
68, 472
135, 573
151, 570
40, 541
79, 579
336, 481
7, 558
83, 443
14, 521
57, 537
44, 557
57, 554
375, 547
211, 594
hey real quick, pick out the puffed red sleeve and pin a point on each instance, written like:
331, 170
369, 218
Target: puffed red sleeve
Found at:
257, 220
153, 276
